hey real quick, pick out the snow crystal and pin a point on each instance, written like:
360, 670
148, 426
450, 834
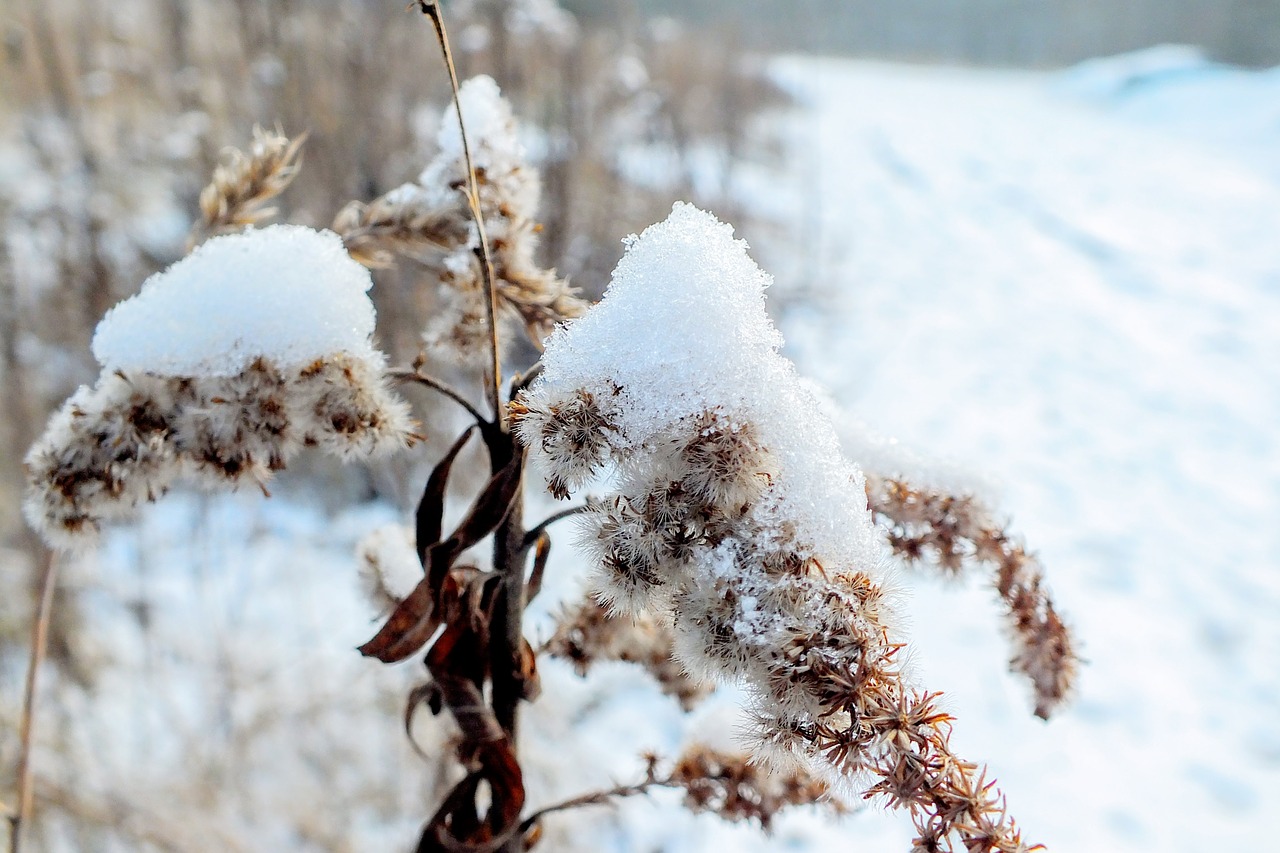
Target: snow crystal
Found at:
286, 293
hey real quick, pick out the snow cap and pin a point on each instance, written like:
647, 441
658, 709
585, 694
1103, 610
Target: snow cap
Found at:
285, 293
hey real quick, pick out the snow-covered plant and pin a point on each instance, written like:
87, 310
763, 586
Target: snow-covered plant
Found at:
736, 516
220, 370
429, 221
735, 541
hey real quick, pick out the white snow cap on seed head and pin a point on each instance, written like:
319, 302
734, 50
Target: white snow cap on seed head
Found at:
491, 129
683, 330
682, 326
285, 293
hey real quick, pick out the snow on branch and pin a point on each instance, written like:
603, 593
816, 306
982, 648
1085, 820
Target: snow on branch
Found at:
737, 518
221, 369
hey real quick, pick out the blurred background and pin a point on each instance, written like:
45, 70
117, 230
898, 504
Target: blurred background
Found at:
1035, 239
1042, 33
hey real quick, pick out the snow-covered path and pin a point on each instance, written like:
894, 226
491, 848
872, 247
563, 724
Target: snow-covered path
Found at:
1086, 309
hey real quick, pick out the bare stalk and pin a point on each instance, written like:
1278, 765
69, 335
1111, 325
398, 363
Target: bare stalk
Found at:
432, 10
598, 798
39, 642
440, 387
531, 536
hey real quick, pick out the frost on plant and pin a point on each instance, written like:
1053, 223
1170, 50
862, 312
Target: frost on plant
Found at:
429, 221
220, 369
736, 517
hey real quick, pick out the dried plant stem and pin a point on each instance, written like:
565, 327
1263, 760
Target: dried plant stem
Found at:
439, 386
599, 798
531, 536
724, 784
39, 641
432, 10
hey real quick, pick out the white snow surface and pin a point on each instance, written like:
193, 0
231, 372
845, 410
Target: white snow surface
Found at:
286, 293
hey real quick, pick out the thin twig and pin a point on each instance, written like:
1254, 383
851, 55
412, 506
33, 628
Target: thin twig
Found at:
39, 641
524, 381
432, 10
531, 537
440, 386
599, 798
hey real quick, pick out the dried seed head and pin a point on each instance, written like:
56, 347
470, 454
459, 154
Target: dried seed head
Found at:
725, 464
589, 633
389, 567
627, 586
571, 435
241, 188
957, 532
127, 439
772, 580
103, 453
430, 222
734, 787
345, 406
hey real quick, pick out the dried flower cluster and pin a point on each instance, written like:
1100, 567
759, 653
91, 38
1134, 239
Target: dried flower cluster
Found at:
736, 518
220, 370
127, 439
954, 531
734, 787
388, 565
589, 633
430, 222
241, 188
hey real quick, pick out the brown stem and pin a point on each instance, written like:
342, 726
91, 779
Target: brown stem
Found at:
507, 637
531, 537
432, 10
39, 641
597, 798
440, 386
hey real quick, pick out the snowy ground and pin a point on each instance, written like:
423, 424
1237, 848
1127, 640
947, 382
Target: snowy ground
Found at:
1075, 290
1063, 283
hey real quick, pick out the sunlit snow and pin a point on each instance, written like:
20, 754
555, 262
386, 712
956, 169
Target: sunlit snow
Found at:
285, 293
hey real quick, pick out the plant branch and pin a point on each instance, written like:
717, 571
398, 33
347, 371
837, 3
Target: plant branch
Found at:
431, 9
440, 386
39, 642
600, 798
531, 537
